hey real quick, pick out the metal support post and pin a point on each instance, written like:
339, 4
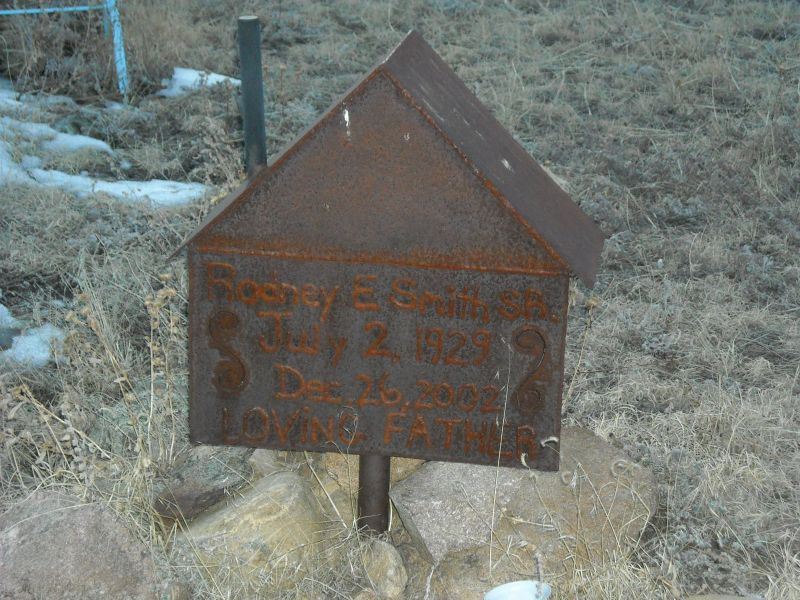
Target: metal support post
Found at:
373, 493
120, 62
255, 141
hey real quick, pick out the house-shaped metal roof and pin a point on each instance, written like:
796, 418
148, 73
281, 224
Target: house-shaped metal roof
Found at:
409, 167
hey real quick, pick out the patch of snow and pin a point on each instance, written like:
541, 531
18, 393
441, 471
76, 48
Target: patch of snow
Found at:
10, 171
8, 103
43, 137
30, 131
48, 100
158, 191
184, 80
52, 140
7, 320
33, 348
115, 106
30, 162
69, 142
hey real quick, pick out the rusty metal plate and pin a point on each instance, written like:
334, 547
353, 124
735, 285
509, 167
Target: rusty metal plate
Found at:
394, 282
458, 365
431, 85
409, 164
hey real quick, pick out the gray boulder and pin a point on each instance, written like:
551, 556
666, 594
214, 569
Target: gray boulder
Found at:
385, 570
204, 476
57, 547
267, 532
462, 516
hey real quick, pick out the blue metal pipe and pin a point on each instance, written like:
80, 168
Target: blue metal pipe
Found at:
111, 13
119, 47
44, 11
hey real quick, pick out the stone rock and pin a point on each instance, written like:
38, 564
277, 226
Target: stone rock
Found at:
7, 335
385, 569
417, 566
337, 503
343, 468
598, 502
265, 462
337, 478
203, 477
270, 528
599, 498
54, 546
447, 507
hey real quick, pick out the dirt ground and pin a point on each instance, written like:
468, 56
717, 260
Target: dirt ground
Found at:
675, 125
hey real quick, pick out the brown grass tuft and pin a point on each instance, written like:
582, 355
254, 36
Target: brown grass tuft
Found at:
675, 126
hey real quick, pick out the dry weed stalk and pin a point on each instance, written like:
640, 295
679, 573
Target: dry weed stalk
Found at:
675, 127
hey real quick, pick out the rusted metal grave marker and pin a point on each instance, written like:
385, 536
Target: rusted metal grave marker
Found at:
393, 284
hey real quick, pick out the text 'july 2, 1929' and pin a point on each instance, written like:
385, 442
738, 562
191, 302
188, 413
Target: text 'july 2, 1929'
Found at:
376, 358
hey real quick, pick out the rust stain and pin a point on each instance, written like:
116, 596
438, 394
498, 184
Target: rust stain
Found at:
394, 283
375, 359
502, 166
230, 247
485, 180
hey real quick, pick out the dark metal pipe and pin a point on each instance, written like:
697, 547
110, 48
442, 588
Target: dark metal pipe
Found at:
373, 492
255, 139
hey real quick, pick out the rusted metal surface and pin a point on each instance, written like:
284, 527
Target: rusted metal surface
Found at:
252, 99
374, 476
369, 358
501, 161
384, 288
380, 186
408, 167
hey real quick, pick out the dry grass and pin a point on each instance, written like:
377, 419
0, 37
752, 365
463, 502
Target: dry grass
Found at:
676, 126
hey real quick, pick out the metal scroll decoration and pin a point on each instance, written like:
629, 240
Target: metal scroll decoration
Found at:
230, 374
528, 397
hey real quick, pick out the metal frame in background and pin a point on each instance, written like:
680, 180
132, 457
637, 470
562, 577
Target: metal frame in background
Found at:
111, 16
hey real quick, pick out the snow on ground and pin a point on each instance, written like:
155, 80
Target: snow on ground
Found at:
34, 347
50, 139
24, 140
184, 80
26, 348
10, 171
19, 131
7, 320
159, 191
8, 98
